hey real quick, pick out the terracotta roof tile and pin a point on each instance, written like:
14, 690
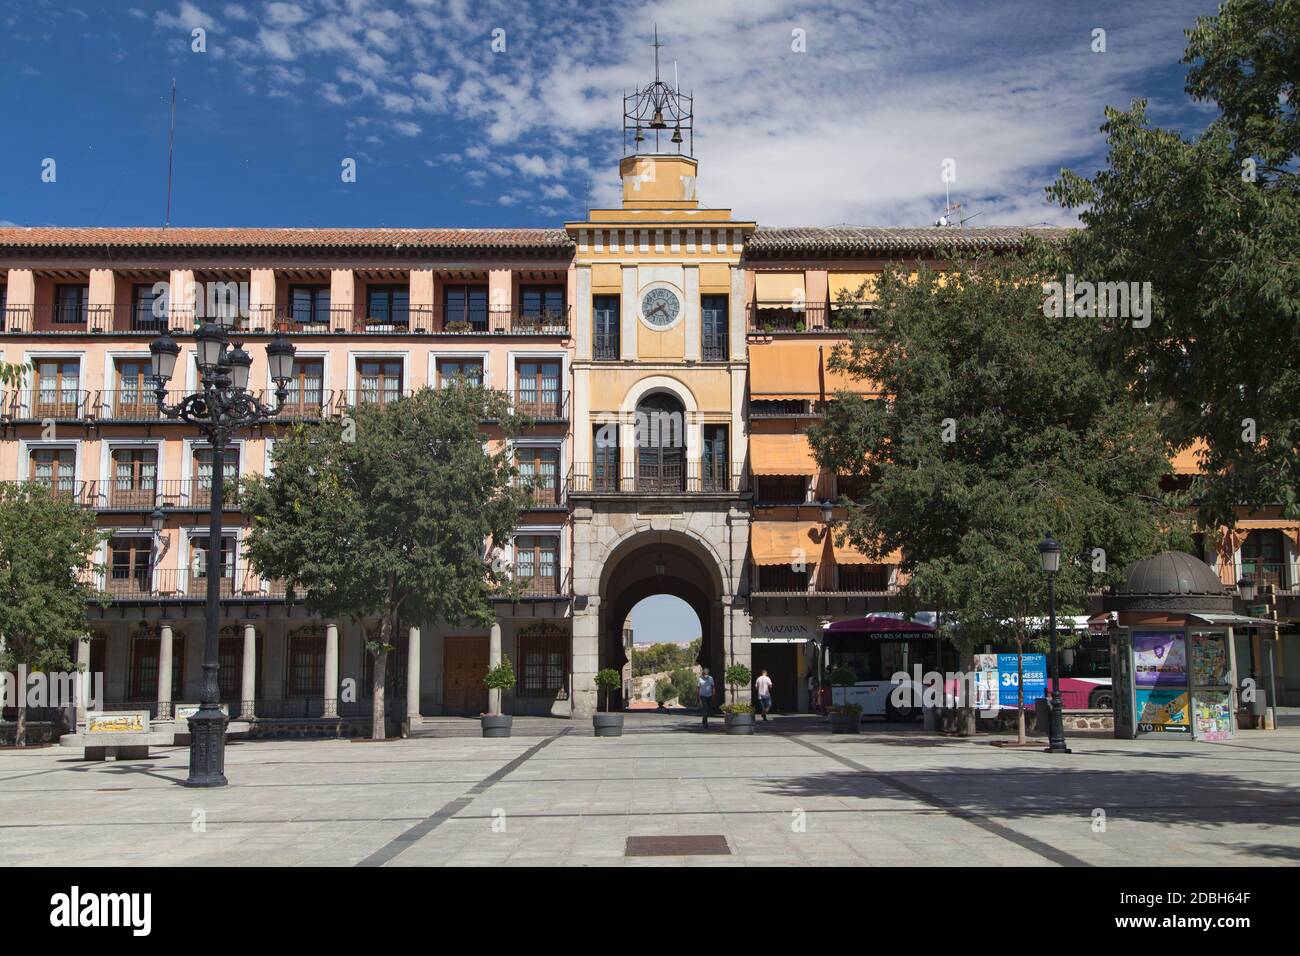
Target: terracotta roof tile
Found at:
156, 238
857, 240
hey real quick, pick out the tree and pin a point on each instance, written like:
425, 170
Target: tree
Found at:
1213, 223
994, 426
686, 683
47, 545
14, 374
391, 513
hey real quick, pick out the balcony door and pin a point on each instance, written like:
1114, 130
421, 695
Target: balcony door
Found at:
538, 389
129, 566
605, 341
58, 388
135, 390
379, 381
55, 468
135, 478
661, 444
1261, 558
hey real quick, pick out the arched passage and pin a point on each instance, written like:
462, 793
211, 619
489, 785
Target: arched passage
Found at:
653, 563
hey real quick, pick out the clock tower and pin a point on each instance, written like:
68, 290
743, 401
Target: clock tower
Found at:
659, 377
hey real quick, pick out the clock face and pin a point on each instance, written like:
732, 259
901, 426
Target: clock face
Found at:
659, 307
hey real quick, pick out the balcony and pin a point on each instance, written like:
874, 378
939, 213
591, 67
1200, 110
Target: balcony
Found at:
1273, 573
777, 318
545, 586
543, 495
606, 347
178, 494
34, 404
131, 405
143, 584
697, 477
541, 405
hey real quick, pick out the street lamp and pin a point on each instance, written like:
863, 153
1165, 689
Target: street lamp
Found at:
222, 406
828, 512
1049, 553
1246, 590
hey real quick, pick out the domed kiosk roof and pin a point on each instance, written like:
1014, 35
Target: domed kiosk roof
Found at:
1170, 581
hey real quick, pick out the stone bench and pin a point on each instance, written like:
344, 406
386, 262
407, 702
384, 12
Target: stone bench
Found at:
125, 735
181, 714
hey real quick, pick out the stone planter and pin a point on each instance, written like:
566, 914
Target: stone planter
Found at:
846, 723
607, 725
739, 723
496, 725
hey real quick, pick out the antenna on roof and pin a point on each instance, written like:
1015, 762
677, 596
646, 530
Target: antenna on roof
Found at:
952, 212
171, 142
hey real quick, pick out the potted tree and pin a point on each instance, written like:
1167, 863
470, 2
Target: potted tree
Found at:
498, 678
607, 724
846, 718
739, 717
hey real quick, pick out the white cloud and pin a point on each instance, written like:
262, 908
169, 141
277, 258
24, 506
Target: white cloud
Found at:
853, 130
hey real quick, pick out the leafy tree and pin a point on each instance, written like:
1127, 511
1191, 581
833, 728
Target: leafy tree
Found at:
686, 683
995, 426
13, 374
608, 680
388, 514
47, 545
1213, 223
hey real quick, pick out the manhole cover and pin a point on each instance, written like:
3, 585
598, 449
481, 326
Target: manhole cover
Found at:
693, 844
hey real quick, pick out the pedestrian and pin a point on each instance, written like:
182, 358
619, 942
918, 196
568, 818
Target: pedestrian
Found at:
764, 687
706, 694
814, 699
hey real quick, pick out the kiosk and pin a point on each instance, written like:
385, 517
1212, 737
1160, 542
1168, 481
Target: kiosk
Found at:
1172, 653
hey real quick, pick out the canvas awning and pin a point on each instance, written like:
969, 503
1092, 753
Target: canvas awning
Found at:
1232, 620
1186, 460
798, 370
786, 454
785, 542
847, 554
779, 287
851, 283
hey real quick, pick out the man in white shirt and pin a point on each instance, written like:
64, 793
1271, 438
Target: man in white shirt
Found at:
706, 694
764, 687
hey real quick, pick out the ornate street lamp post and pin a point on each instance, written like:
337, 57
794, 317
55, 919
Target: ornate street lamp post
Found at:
1049, 553
222, 406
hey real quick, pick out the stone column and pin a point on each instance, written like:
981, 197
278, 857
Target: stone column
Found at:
85, 679
248, 678
413, 675
586, 658
494, 658
164, 671
330, 670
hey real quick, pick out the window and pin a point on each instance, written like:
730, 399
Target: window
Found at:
55, 468
544, 662
310, 304
144, 665
201, 491
763, 407
538, 389
863, 577
305, 675
230, 665
306, 393
1261, 558
781, 577
147, 310
851, 487
713, 327
388, 305
465, 308
605, 467
539, 469
537, 563
58, 388
70, 304
714, 467
463, 371
780, 489
129, 565
542, 305
135, 478
199, 565
379, 381
605, 313
135, 390
661, 444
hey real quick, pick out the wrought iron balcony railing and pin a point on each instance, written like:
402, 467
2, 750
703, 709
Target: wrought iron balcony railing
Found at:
663, 478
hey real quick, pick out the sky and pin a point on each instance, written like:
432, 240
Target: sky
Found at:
662, 617
807, 113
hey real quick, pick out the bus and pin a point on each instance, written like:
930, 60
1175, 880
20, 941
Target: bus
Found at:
876, 648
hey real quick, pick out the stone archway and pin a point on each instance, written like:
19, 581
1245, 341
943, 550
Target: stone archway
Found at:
619, 573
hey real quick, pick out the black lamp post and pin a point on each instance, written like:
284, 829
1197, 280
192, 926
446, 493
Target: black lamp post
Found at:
222, 406
1049, 553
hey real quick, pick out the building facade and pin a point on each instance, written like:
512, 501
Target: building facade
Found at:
670, 355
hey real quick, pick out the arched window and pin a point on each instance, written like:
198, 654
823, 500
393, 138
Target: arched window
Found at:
661, 443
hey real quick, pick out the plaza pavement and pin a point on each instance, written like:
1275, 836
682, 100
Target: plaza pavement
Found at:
793, 794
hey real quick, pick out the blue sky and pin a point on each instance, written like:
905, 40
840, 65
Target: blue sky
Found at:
446, 132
